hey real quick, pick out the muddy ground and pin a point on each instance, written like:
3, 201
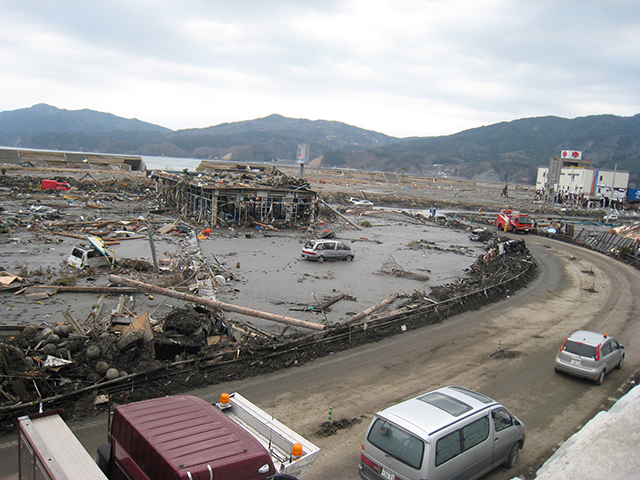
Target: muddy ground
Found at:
399, 250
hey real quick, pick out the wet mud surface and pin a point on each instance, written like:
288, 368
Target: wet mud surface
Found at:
81, 347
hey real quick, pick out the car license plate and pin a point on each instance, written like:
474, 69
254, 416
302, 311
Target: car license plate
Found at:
387, 474
577, 363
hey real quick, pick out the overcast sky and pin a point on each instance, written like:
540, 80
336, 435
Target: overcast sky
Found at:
400, 67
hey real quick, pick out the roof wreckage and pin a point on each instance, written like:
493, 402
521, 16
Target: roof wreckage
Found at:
238, 195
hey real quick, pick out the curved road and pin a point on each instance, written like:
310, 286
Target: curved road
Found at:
575, 288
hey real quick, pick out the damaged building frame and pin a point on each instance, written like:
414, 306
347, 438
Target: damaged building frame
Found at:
238, 195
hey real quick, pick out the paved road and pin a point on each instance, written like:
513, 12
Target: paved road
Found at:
575, 288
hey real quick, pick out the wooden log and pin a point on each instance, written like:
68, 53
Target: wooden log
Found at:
72, 288
71, 235
368, 311
132, 237
264, 225
227, 307
331, 301
74, 323
339, 214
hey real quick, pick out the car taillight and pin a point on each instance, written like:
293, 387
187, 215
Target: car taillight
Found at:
369, 463
597, 353
563, 344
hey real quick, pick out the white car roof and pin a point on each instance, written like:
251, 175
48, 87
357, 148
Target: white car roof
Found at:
427, 413
587, 337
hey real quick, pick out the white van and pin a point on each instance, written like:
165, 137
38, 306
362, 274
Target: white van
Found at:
450, 433
94, 255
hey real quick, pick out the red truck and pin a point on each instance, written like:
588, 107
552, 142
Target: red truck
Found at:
512, 221
169, 438
54, 185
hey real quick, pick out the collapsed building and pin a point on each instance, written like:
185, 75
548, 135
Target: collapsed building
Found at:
234, 194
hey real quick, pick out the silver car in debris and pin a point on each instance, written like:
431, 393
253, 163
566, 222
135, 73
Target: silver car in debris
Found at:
321, 250
589, 355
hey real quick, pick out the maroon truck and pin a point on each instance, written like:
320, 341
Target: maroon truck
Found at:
169, 438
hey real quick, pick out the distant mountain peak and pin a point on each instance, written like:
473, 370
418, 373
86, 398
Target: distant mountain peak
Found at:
43, 107
42, 118
273, 117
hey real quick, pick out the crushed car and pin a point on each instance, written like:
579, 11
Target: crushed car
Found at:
92, 255
480, 235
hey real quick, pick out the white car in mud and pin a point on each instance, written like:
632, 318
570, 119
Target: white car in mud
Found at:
361, 203
321, 250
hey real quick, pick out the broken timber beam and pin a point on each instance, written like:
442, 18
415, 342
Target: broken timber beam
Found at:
227, 307
368, 311
73, 288
71, 235
331, 301
264, 225
339, 214
74, 323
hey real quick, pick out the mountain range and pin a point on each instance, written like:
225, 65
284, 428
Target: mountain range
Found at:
507, 150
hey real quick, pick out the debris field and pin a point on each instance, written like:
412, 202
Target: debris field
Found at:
161, 313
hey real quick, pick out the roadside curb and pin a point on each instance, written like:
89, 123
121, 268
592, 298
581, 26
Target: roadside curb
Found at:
622, 390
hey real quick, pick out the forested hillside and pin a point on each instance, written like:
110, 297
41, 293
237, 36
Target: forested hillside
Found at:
495, 152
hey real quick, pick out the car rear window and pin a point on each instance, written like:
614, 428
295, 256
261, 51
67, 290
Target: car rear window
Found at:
396, 442
580, 349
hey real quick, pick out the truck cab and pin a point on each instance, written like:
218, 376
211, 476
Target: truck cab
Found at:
169, 438
187, 438
512, 221
54, 185
180, 438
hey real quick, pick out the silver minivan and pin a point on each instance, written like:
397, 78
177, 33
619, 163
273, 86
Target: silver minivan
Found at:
449, 433
321, 250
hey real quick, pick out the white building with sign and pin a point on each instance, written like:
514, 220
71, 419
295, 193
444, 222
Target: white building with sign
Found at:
569, 176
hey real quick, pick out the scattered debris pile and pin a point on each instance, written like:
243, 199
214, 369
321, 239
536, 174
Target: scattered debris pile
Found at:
502, 262
331, 427
195, 345
78, 363
41, 363
393, 268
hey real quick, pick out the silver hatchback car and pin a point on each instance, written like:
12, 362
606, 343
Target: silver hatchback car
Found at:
322, 250
589, 355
